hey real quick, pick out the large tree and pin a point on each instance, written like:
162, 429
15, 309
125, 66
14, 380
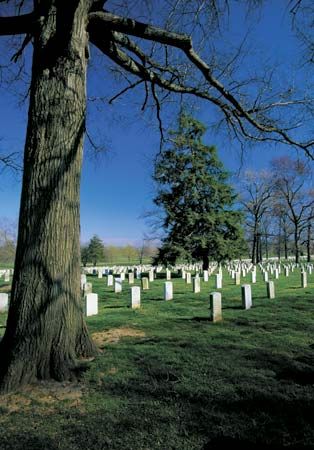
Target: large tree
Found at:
46, 333
96, 250
293, 185
255, 194
196, 199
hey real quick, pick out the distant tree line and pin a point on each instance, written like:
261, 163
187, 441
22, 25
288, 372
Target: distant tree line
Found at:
96, 252
7, 241
279, 208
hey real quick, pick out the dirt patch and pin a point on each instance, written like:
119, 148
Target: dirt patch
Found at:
114, 335
45, 396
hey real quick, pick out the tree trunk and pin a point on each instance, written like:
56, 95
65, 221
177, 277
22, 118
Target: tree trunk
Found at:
286, 244
279, 239
308, 242
259, 248
46, 333
296, 244
254, 244
205, 262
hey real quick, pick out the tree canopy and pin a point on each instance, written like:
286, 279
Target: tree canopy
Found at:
197, 202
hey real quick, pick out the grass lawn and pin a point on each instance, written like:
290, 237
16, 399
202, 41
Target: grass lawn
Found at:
167, 378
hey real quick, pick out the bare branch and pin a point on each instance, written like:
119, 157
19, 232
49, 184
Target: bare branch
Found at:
17, 24
131, 86
10, 161
102, 20
245, 118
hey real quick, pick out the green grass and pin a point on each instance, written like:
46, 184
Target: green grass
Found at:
182, 382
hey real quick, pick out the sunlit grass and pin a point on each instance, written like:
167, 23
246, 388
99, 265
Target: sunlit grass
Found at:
170, 379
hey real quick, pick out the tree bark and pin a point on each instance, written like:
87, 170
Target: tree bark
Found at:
296, 243
46, 333
254, 245
279, 239
308, 242
286, 246
205, 262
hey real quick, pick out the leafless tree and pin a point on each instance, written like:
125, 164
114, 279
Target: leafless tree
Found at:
282, 222
255, 194
292, 185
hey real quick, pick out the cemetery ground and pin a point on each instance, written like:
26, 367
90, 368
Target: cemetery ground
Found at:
168, 378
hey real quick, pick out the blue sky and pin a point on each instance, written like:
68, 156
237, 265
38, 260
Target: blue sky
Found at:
116, 188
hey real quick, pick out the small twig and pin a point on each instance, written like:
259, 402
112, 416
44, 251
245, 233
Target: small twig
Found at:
131, 86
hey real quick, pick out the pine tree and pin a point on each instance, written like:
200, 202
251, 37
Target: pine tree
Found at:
199, 219
84, 255
96, 251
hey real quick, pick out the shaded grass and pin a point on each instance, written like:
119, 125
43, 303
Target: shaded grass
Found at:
183, 382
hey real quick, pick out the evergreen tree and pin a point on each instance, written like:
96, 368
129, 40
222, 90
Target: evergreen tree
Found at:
199, 220
96, 250
84, 254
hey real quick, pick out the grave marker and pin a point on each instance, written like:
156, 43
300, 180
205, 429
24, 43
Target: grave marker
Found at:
196, 285
110, 280
304, 279
168, 290
4, 302
91, 304
135, 292
270, 289
145, 284
215, 306
218, 281
117, 285
246, 296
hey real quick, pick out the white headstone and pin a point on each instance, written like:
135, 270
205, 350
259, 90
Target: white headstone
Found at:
151, 275
196, 285
117, 285
91, 304
4, 302
304, 279
131, 277
7, 276
188, 278
87, 288
83, 280
135, 292
168, 290
270, 289
168, 274
218, 281
110, 280
253, 277
145, 284
215, 306
205, 276
237, 278
246, 296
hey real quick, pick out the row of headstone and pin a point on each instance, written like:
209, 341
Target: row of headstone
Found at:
235, 272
